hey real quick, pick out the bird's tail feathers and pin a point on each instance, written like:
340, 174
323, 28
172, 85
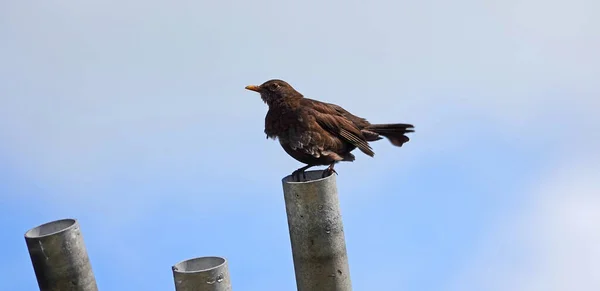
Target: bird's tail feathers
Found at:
395, 132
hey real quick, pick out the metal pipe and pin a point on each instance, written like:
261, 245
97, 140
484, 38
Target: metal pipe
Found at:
59, 257
316, 233
202, 274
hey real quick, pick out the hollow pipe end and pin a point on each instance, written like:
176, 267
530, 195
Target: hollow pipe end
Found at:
199, 264
313, 176
51, 228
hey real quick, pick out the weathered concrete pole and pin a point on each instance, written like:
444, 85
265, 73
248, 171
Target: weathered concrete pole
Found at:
316, 233
202, 274
59, 257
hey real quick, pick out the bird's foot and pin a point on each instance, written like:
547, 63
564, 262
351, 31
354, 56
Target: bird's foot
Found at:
328, 172
296, 174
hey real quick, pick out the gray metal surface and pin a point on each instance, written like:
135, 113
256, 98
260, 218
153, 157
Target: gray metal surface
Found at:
316, 233
202, 274
59, 257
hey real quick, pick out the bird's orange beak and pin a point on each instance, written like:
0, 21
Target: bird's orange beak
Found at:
253, 88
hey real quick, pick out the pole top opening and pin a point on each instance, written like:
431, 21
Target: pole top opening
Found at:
51, 228
311, 177
200, 264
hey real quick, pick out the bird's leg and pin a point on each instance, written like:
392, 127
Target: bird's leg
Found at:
330, 170
301, 170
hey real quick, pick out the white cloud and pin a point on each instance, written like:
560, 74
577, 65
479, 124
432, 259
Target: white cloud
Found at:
552, 244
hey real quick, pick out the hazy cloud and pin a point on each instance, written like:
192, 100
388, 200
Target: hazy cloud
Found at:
552, 243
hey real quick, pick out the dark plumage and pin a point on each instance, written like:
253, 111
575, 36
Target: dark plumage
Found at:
319, 133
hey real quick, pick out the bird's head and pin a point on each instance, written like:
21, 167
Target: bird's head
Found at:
274, 90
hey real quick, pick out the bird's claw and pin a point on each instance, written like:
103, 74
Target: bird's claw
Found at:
296, 175
328, 172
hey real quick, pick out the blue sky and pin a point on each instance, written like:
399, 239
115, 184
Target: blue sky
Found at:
132, 117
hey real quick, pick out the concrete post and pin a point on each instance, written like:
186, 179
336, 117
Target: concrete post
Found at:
202, 274
316, 233
59, 257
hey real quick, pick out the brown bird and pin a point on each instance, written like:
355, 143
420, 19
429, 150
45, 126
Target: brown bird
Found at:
318, 133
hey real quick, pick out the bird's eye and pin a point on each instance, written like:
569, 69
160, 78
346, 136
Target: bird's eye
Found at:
274, 86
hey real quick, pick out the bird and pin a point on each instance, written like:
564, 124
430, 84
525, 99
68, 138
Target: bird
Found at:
317, 133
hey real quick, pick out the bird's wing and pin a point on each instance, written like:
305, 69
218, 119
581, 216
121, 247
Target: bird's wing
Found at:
333, 120
358, 121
